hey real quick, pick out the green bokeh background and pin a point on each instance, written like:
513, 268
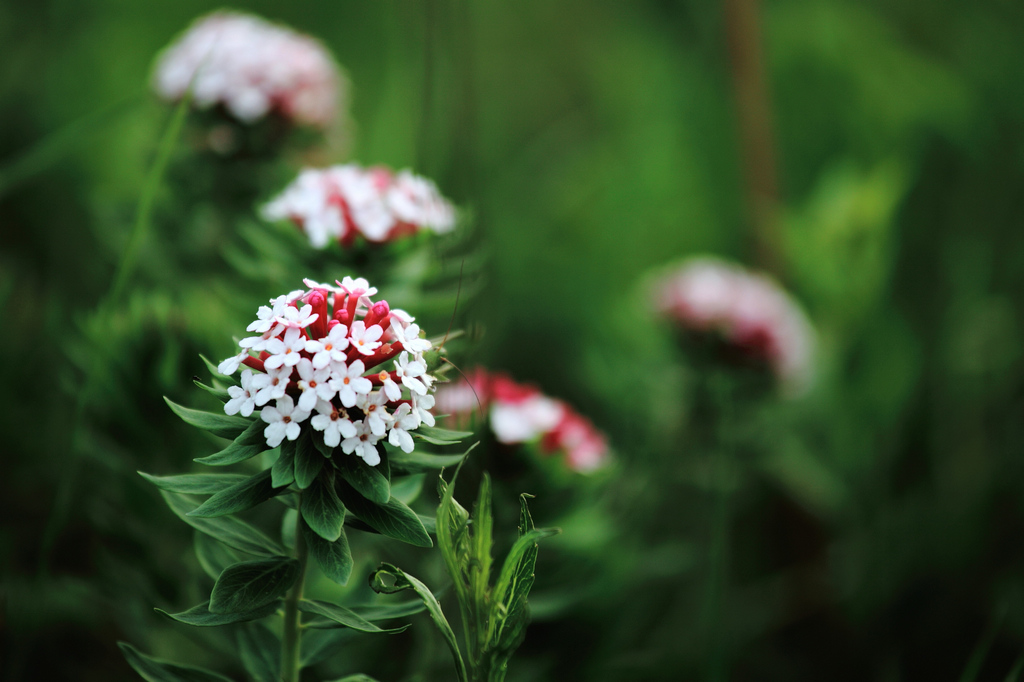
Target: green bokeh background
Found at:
878, 534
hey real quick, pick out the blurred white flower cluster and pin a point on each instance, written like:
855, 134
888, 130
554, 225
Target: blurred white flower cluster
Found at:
344, 202
749, 311
310, 359
520, 413
251, 67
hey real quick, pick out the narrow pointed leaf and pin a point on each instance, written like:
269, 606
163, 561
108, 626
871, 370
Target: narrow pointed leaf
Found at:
452, 529
212, 367
333, 558
201, 616
367, 480
194, 484
404, 581
260, 651
483, 528
156, 670
283, 471
417, 461
247, 445
392, 519
308, 461
388, 611
440, 436
251, 584
239, 497
213, 556
219, 393
222, 425
229, 530
344, 617
508, 613
358, 677
322, 510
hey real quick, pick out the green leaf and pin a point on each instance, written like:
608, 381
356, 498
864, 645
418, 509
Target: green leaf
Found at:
453, 539
319, 645
231, 531
392, 519
156, 670
308, 461
429, 523
283, 471
344, 617
219, 393
318, 442
509, 614
417, 460
251, 584
322, 510
367, 480
248, 444
408, 488
213, 556
239, 497
404, 581
482, 540
194, 484
440, 436
358, 677
222, 425
389, 611
260, 651
334, 558
214, 372
201, 616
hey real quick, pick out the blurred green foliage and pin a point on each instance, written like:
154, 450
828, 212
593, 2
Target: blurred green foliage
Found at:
876, 524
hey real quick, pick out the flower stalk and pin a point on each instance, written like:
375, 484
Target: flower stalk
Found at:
291, 638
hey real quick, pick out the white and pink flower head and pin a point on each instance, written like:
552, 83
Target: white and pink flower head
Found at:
343, 203
748, 311
251, 68
520, 413
322, 362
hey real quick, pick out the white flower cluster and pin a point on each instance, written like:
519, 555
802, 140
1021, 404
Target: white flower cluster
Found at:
313, 363
251, 67
344, 202
749, 311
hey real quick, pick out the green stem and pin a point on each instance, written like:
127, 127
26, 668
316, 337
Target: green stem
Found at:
291, 639
716, 671
722, 398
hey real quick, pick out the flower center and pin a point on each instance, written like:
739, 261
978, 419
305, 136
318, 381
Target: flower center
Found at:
286, 419
345, 381
312, 384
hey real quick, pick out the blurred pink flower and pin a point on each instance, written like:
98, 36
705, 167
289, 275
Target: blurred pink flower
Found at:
520, 413
748, 310
251, 67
